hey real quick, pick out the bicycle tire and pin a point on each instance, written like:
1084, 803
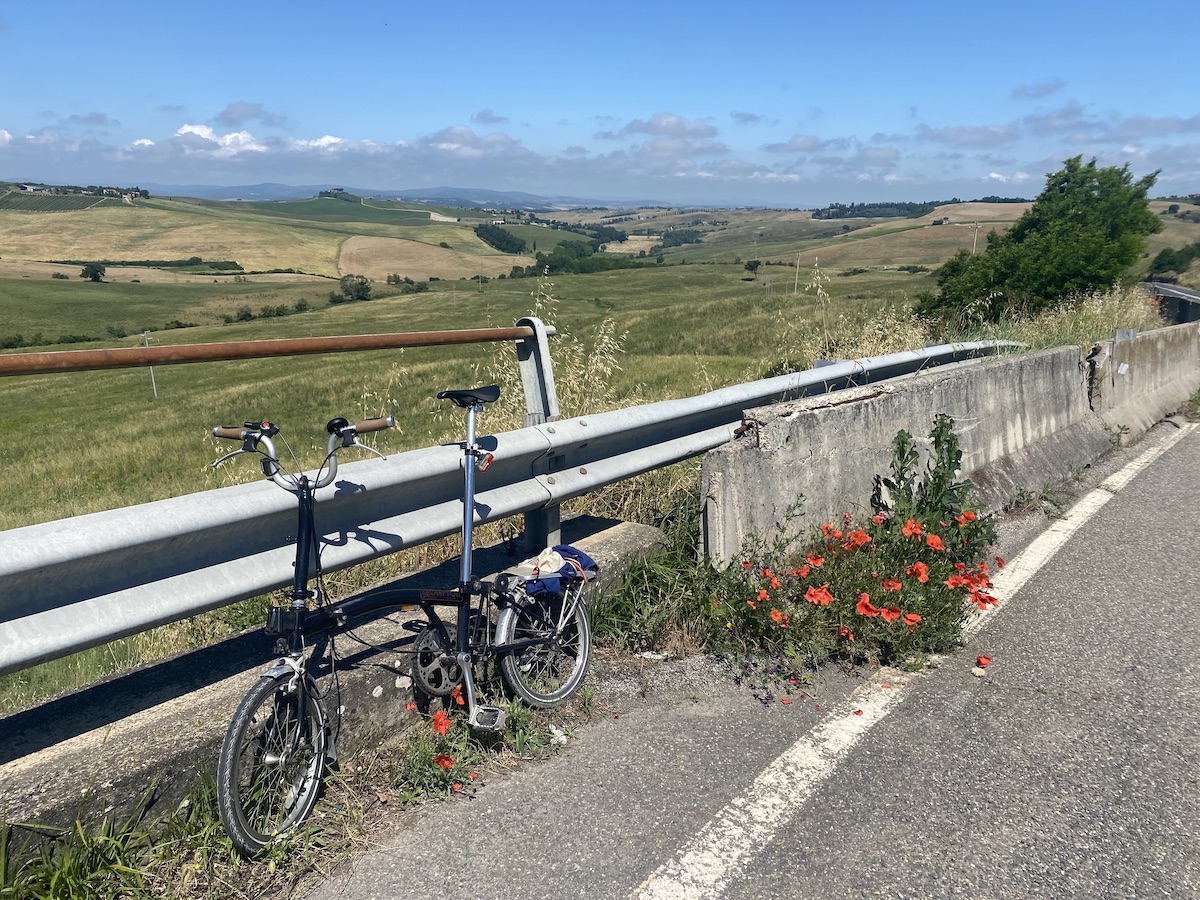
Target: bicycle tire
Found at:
546, 673
272, 759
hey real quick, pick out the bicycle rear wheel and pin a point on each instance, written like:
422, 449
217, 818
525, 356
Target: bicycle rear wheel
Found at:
558, 644
272, 758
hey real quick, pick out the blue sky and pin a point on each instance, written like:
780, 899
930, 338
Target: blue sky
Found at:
751, 103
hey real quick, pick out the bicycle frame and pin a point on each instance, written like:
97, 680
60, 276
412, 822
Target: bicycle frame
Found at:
278, 741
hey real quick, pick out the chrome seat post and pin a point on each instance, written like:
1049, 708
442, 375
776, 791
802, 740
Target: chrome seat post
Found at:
470, 458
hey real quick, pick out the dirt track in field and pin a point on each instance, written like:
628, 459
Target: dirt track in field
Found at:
378, 257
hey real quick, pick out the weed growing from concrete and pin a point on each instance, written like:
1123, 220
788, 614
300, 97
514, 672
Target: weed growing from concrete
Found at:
891, 589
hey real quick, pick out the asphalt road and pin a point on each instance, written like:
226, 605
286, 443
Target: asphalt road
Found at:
1070, 770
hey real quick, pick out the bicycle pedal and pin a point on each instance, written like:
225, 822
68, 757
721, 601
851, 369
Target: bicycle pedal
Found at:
487, 718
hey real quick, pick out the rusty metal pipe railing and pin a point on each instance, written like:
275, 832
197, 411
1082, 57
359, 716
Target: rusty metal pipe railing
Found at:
131, 357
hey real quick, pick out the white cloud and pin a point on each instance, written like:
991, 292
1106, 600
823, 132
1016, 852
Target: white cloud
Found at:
202, 139
487, 117
235, 115
5, 137
798, 143
1015, 178
969, 135
326, 142
1038, 89
671, 126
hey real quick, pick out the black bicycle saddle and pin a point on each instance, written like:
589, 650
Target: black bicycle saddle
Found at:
472, 396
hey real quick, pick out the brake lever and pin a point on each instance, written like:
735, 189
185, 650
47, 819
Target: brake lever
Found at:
230, 455
353, 442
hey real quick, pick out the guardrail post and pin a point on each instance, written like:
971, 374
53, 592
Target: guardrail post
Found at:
543, 527
537, 374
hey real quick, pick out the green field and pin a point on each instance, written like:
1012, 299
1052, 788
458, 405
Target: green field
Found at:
698, 321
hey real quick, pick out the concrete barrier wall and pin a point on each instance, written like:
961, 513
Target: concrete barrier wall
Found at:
1022, 422
1135, 381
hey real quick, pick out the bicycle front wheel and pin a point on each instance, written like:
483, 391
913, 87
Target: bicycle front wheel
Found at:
269, 772
552, 641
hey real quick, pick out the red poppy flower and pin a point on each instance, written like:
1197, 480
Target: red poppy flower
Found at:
955, 581
856, 539
830, 532
879, 518
814, 560
441, 722
820, 596
912, 527
935, 542
919, 570
746, 564
911, 620
444, 761
892, 584
456, 786
767, 573
410, 706
846, 633
864, 607
776, 616
858, 712
966, 517
999, 562
776, 584
456, 694
763, 595
891, 614
983, 661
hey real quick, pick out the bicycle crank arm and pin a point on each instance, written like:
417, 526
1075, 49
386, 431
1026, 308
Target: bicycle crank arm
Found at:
483, 717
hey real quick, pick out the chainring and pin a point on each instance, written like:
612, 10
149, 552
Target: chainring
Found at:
434, 668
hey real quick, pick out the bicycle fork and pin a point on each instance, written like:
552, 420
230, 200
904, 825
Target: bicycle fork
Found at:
488, 718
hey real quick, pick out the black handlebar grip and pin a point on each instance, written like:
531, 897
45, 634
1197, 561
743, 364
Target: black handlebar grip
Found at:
367, 425
229, 431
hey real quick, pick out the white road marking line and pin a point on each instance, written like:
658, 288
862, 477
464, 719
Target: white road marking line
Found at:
1008, 582
706, 863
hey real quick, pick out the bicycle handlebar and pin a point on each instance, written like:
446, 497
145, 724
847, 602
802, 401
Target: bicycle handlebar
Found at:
256, 438
364, 426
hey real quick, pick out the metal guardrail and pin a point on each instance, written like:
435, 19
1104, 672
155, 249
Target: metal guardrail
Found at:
75, 583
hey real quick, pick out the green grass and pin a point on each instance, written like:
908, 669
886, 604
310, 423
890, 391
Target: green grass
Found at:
325, 210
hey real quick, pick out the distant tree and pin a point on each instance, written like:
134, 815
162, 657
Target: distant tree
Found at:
752, 267
92, 272
1082, 233
355, 287
500, 238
